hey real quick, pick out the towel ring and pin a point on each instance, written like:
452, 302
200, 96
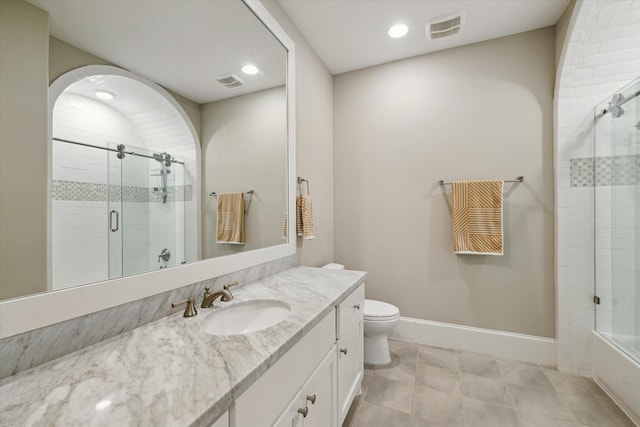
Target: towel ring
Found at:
300, 181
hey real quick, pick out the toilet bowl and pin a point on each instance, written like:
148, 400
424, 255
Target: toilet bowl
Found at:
379, 318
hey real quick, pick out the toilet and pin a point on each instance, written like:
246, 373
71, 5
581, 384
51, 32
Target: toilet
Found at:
379, 318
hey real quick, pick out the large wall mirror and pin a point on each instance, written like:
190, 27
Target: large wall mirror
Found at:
123, 123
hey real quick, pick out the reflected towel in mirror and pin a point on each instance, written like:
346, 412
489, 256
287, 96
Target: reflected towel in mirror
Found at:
304, 217
230, 226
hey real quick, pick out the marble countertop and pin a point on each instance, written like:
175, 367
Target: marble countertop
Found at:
169, 372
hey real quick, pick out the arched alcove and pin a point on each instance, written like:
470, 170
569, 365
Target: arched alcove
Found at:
113, 213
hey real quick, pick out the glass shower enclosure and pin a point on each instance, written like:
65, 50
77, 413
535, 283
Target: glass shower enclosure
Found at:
616, 168
115, 212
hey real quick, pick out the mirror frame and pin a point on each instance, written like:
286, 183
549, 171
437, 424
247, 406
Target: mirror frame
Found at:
31, 312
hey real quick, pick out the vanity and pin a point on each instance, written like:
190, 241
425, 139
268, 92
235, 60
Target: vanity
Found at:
303, 371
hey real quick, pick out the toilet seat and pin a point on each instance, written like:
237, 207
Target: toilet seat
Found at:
379, 311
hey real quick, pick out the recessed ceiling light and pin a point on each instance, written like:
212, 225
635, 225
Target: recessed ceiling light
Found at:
250, 69
103, 94
398, 30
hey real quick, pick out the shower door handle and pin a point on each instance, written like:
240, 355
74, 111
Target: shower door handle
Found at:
117, 226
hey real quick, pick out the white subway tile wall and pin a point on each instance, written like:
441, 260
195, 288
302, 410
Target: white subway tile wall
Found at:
602, 55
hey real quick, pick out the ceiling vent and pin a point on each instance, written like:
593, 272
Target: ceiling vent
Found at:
230, 81
445, 26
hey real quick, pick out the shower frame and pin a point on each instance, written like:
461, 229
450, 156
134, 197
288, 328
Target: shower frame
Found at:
617, 204
120, 209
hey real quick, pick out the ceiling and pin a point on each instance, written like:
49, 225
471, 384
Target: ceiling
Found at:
352, 34
150, 113
181, 45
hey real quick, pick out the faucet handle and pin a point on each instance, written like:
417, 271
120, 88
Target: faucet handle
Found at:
228, 285
226, 288
190, 311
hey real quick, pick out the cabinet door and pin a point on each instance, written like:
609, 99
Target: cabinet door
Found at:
315, 404
290, 417
319, 394
350, 346
266, 399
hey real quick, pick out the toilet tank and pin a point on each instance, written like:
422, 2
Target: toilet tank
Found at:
334, 266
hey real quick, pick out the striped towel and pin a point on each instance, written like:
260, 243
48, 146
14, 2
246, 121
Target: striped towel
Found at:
304, 217
477, 217
285, 226
230, 227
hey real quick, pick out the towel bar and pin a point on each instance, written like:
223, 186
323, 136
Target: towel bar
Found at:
214, 194
518, 179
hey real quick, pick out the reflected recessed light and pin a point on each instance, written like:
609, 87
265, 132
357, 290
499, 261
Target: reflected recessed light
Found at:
250, 69
103, 404
103, 94
398, 30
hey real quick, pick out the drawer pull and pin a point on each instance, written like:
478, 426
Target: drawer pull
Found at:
357, 306
343, 350
312, 399
304, 411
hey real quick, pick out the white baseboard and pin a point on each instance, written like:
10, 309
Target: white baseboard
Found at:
504, 345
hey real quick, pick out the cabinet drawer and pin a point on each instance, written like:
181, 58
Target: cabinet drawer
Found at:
261, 404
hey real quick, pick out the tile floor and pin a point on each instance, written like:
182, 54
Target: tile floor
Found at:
430, 386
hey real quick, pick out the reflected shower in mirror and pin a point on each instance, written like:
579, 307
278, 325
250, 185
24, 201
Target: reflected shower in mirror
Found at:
149, 112
137, 189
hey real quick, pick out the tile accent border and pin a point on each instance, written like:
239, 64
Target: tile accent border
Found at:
605, 171
24, 351
88, 192
504, 345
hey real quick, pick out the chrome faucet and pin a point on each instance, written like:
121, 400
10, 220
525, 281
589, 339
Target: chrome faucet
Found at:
224, 294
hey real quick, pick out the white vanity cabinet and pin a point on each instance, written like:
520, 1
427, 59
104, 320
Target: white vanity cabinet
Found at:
350, 347
314, 383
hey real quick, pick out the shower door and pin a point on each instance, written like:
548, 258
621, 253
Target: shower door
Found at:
617, 220
114, 213
146, 219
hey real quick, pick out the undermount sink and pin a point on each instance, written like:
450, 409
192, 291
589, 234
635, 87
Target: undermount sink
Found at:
245, 317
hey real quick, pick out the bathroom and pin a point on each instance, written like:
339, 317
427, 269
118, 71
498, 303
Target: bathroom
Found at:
371, 141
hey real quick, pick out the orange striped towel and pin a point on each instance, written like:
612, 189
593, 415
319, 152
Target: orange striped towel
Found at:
230, 227
285, 226
304, 217
477, 217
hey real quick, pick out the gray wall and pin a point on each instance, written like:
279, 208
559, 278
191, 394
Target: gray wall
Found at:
244, 148
314, 125
24, 43
482, 111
